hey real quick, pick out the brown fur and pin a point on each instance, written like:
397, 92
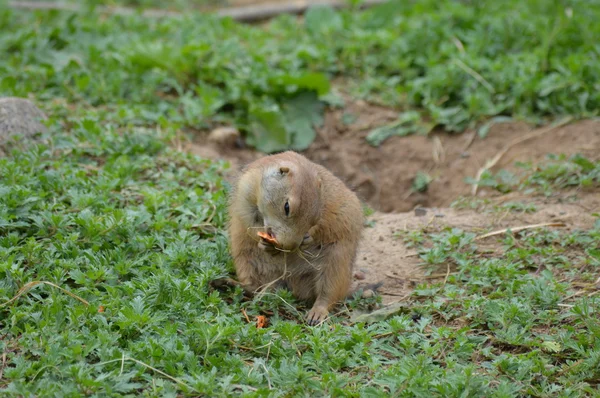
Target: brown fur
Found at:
317, 241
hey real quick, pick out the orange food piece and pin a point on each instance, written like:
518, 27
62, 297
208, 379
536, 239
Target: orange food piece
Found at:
101, 308
261, 321
267, 237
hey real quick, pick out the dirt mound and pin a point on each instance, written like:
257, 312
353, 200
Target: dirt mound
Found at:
383, 176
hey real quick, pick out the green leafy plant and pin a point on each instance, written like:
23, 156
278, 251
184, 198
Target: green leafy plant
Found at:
421, 182
557, 172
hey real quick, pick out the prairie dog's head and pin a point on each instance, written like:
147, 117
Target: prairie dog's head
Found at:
289, 201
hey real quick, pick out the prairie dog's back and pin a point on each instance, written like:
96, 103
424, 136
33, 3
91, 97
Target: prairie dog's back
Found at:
342, 215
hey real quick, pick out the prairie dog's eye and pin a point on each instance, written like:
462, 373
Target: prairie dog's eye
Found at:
286, 207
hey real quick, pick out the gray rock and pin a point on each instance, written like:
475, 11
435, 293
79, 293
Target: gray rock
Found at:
21, 117
420, 212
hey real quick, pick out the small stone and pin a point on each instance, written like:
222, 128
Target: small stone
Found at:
381, 238
206, 152
465, 155
440, 215
360, 275
368, 293
224, 136
420, 212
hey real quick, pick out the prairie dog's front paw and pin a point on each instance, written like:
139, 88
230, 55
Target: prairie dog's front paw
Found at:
307, 241
317, 315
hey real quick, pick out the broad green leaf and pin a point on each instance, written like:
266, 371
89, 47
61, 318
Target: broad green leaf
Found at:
551, 346
303, 113
381, 314
377, 136
333, 100
584, 163
348, 118
595, 253
454, 118
321, 20
303, 82
485, 129
421, 182
267, 129
408, 123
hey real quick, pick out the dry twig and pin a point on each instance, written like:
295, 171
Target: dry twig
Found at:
493, 161
521, 228
30, 285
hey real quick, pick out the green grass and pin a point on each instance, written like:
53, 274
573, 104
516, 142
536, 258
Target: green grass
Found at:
106, 210
128, 225
456, 63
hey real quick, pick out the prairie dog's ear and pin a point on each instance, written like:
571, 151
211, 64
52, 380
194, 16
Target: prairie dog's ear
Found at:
284, 170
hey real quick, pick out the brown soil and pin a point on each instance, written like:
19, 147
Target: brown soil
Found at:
383, 177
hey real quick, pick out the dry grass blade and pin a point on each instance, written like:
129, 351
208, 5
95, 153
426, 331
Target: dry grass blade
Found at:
475, 75
493, 161
438, 151
521, 228
262, 290
168, 376
245, 315
30, 285
447, 273
410, 255
3, 365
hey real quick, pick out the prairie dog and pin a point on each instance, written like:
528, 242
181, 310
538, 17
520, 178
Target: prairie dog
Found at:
315, 220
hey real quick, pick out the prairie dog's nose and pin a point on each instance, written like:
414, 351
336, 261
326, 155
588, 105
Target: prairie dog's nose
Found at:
270, 231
